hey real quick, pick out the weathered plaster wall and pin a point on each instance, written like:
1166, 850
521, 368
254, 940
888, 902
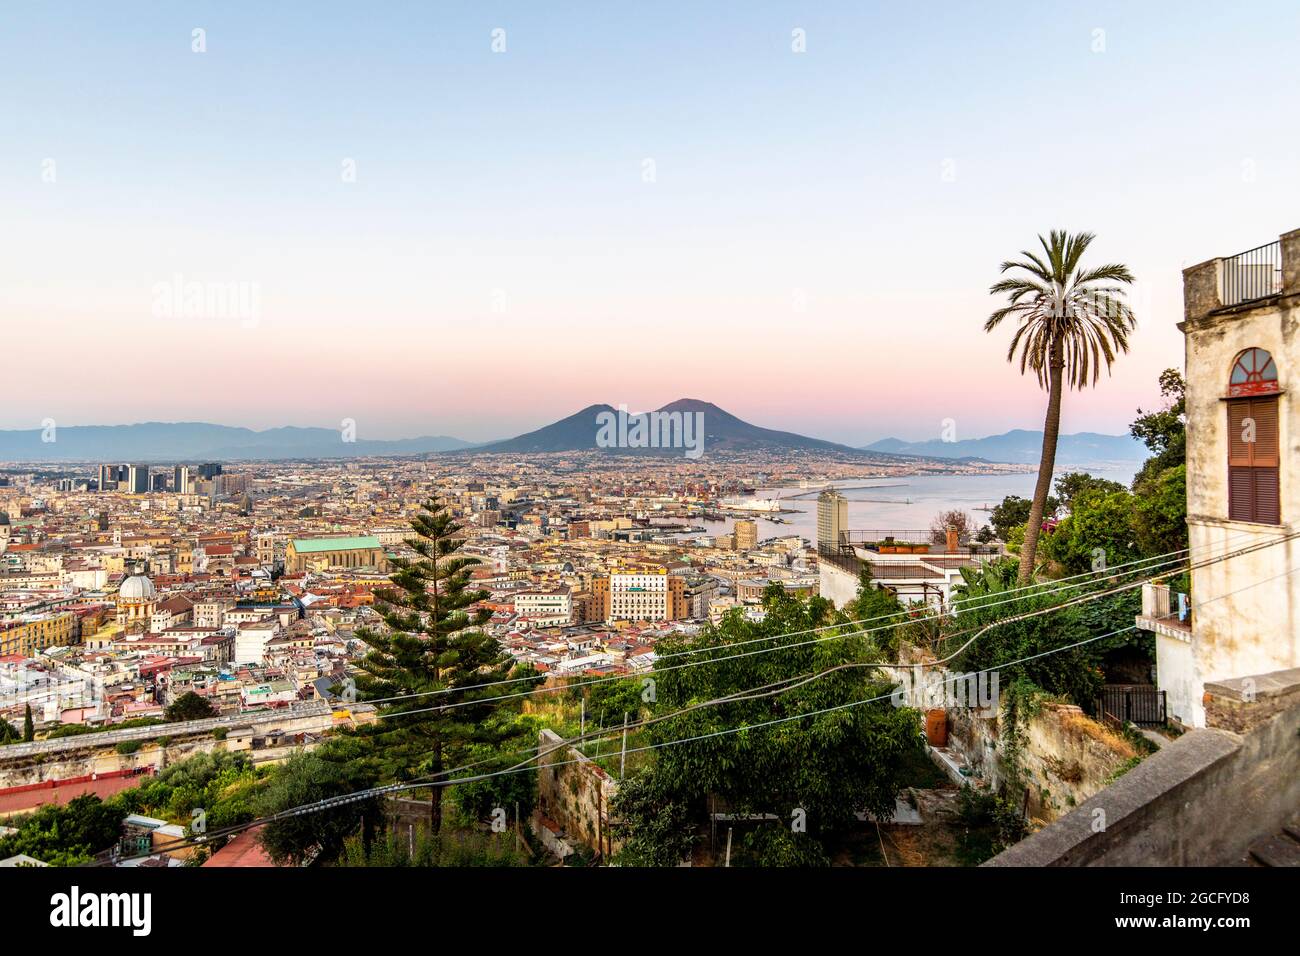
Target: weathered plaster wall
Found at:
1246, 615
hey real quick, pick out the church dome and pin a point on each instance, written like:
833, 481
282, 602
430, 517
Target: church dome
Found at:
137, 588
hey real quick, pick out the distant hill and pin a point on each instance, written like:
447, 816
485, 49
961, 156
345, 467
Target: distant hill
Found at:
189, 441
723, 432
1023, 447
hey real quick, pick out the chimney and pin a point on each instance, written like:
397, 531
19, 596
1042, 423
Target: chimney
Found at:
952, 539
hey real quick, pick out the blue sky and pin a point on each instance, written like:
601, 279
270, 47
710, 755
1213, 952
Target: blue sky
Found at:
500, 259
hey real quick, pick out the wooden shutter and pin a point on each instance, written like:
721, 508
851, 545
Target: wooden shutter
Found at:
1241, 493
1253, 482
1265, 452
1239, 450
1268, 508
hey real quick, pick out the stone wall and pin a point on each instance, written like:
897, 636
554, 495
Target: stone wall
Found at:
575, 793
1065, 756
1200, 800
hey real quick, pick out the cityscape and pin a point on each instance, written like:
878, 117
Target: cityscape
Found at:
454, 504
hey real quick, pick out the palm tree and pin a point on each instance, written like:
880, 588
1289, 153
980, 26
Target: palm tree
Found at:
1070, 321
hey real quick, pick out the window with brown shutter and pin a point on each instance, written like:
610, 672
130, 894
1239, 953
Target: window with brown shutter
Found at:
1253, 459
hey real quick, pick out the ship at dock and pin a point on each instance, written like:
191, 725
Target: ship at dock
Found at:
751, 504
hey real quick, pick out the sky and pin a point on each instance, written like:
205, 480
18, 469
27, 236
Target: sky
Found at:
472, 219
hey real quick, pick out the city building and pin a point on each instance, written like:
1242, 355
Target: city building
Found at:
639, 594
137, 479
110, 476
832, 520
28, 636
545, 608
136, 599
327, 554
909, 563
746, 535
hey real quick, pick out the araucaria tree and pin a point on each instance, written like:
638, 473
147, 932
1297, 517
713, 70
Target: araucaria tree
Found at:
1070, 321
433, 656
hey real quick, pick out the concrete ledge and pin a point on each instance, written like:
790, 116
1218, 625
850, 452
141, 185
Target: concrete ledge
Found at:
1257, 687
1240, 704
1125, 805
1201, 800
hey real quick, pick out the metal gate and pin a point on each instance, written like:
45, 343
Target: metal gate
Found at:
1141, 704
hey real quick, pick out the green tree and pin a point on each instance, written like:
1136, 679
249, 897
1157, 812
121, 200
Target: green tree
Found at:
835, 754
9, 733
1160, 513
65, 835
881, 608
775, 845
307, 778
29, 726
458, 849
1160, 519
1164, 431
1014, 512
1073, 673
984, 581
190, 706
654, 819
434, 654
1069, 486
1070, 321
1098, 532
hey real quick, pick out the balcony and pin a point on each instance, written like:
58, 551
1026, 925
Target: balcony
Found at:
1167, 613
906, 553
1253, 274
1245, 281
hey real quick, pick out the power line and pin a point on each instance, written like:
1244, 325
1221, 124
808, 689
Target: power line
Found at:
1053, 588
334, 802
1003, 597
343, 800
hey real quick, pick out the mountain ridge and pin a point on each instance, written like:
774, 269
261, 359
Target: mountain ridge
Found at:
172, 441
723, 432
1021, 446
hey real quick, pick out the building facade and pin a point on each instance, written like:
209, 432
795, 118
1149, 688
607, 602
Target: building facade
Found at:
1242, 334
832, 519
746, 535
29, 636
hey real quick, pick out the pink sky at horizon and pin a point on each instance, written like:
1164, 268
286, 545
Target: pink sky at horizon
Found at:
812, 253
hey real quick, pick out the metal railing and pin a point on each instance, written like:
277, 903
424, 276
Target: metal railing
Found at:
1253, 274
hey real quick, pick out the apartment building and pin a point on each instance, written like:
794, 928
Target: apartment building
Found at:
546, 608
640, 594
29, 636
746, 535
251, 640
832, 519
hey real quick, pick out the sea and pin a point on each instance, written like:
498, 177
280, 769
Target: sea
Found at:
906, 503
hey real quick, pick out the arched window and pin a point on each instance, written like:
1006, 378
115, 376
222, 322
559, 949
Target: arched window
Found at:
1254, 446
1253, 373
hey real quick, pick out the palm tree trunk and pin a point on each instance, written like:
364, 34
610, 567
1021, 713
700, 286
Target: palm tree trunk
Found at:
1046, 464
